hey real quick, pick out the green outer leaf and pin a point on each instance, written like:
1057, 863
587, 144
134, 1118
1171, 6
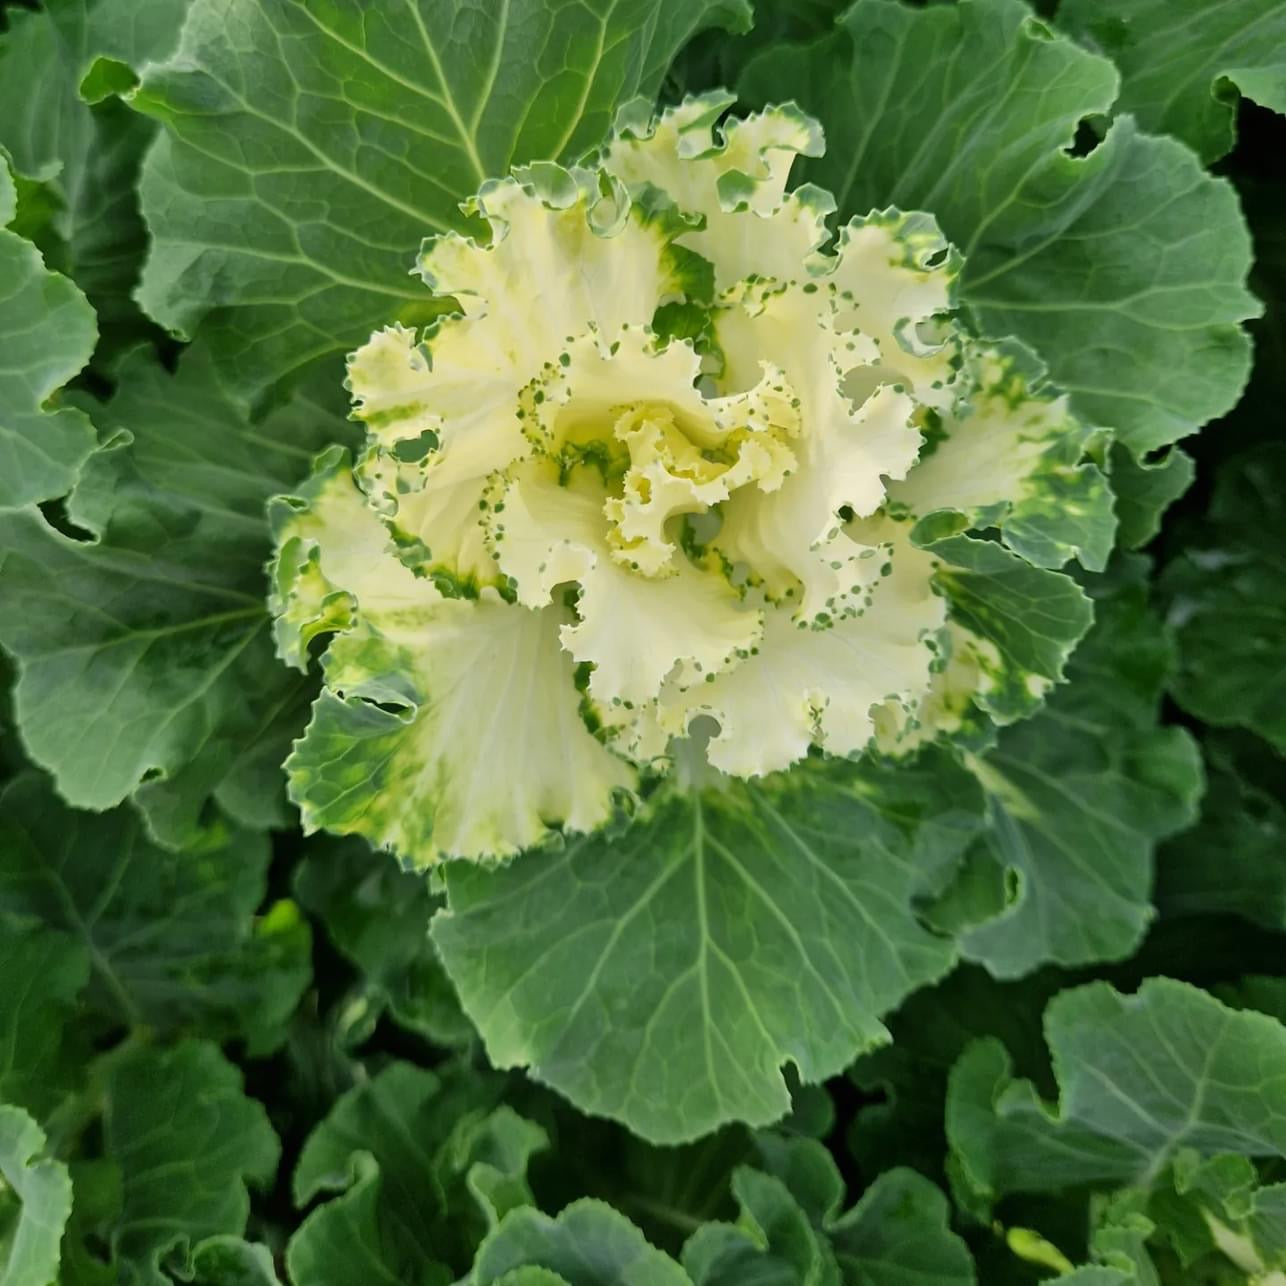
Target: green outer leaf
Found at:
425, 1165
230, 1261
351, 1240
930, 1031
145, 659
308, 147
1033, 616
772, 1241
172, 937
1145, 489
663, 976
1114, 331
43, 971
1140, 1077
96, 1206
187, 1140
47, 332
791, 1229
378, 915
131, 664
1233, 861
1080, 795
1095, 1277
44, 122
589, 1244
1218, 1209
1177, 60
1055, 251
89, 158
44, 1191
899, 1234
1227, 597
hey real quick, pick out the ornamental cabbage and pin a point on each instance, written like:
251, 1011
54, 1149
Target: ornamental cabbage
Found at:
653, 498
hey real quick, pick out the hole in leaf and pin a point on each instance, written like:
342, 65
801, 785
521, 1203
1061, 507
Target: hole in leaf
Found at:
1089, 134
413, 450
55, 514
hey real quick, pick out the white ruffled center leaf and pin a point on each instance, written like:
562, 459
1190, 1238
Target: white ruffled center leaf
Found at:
667, 464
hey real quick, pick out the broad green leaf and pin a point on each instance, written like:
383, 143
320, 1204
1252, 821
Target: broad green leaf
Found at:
1056, 251
308, 148
1140, 1077
187, 1140
47, 332
1227, 597
172, 938
424, 1165
663, 976
378, 915
144, 656
35, 1201
588, 1244
1145, 489
1178, 61
1080, 795
43, 971
1234, 860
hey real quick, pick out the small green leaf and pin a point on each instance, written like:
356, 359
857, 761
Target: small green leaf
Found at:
1233, 861
1145, 489
772, 1240
1220, 1210
899, 1234
930, 1031
231, 1261
589, 1244
378, 915
41, 1048
423, 1166
187, 1140
1227, 601
1140, 1077
1031, 616
35, 1201
1081, 794
89, 158
172, 938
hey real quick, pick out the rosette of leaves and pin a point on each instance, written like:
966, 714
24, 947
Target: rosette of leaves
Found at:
677, 491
